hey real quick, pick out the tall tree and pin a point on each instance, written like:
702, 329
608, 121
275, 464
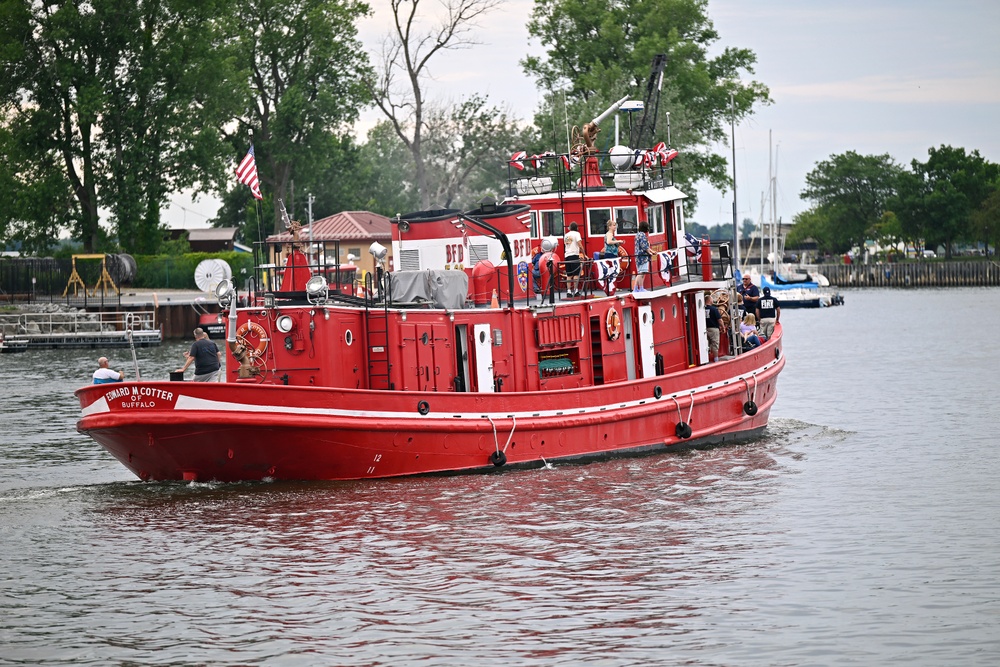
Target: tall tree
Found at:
126, 96
307, 70
406, 54
985, 225
938, 197
599, 50
850, 193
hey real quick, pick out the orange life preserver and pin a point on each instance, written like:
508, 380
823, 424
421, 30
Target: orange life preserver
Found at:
614, 324
256, 330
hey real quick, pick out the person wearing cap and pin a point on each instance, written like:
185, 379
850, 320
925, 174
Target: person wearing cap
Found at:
768, 313
206, 357
750, 295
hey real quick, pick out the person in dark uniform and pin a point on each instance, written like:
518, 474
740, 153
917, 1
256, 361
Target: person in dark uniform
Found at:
750, 295
713, 322
206, 357
768, 313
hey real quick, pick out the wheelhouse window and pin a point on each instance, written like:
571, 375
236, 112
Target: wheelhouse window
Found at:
597, 220
552, 223
534, 225
655, 216
626, 216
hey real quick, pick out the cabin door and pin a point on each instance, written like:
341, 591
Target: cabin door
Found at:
699, 315
461, 358
628, 330
483, 345
647, 356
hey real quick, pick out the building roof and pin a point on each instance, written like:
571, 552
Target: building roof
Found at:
212, 234
344, 226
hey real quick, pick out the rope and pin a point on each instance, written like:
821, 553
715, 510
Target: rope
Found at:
496, 442
751, 397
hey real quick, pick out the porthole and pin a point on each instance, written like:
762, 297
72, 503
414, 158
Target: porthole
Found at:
675, 311
348, 337
663, 315
482, 337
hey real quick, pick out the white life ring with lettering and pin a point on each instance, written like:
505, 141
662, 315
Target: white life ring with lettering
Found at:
246, 334
614, 324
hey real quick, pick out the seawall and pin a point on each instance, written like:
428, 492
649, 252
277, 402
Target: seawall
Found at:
913, 274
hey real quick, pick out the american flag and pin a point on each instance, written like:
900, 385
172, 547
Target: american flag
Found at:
246, 173
694, 246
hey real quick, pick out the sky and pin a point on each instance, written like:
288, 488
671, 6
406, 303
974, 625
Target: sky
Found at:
894, 77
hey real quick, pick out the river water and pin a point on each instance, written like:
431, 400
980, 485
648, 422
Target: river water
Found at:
862, 529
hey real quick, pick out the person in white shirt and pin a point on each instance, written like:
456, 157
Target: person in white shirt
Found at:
574, 244
103, 374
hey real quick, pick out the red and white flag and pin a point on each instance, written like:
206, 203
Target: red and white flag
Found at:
516, 160
246, 173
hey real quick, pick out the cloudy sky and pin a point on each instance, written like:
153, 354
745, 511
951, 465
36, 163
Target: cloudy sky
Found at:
882, 76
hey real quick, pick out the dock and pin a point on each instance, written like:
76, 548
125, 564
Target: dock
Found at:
153, 316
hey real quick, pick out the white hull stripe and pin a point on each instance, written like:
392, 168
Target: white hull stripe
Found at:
190, 403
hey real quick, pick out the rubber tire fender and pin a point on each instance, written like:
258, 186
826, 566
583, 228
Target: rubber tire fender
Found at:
683, 430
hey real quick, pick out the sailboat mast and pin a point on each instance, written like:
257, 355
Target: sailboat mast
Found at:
736, 231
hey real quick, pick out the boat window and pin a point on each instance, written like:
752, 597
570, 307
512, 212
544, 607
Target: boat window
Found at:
597, 219
534, 225
655, 216
627, 218
552, 223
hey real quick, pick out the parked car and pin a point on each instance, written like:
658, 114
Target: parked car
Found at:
928, 254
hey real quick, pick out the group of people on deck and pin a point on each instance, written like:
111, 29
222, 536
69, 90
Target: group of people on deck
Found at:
757, 306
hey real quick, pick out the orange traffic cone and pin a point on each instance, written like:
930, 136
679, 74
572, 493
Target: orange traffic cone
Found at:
494, 303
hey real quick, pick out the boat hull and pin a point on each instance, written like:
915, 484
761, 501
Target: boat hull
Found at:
244, 431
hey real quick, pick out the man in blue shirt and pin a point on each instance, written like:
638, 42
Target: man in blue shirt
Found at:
750, 294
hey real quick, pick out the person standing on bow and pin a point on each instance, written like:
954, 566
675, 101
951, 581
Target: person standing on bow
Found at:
206, 357
768, 313
750, 295
574, 244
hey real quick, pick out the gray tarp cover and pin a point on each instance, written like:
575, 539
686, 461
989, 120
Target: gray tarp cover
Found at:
445, 289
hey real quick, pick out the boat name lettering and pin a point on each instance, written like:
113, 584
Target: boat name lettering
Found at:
134, 392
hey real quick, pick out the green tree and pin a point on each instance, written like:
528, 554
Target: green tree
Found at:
985, 220
306, 83
599, 50
937, 197
114, 102
850, 192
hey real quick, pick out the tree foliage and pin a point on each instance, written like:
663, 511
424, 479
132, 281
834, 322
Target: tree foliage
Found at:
599, 50
850, 193
306, 83
109, 106
985, 221
938, 197
398, 88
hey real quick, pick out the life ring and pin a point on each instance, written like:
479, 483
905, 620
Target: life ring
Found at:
614, 324
245, 335
623, 258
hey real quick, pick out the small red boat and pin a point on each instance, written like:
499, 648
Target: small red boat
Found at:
455, 360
